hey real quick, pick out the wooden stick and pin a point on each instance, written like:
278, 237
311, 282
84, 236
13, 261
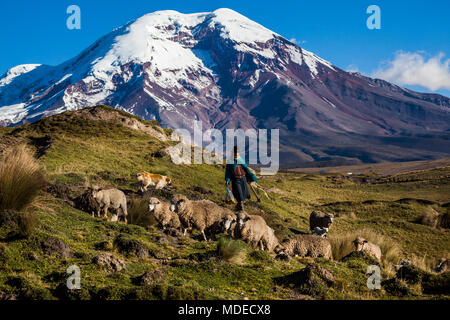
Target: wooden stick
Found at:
254, 191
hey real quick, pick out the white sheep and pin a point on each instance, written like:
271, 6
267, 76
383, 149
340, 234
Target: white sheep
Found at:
254, 230
270, 240
229, 224
163, 214
203, 215
305, 245
110, 199
371, 249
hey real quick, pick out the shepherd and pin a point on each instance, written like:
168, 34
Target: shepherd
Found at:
236, 174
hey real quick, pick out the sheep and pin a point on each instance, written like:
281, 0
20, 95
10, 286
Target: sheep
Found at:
321, 232
371, 249
320, 219
254, 230
443, 266
203, 215
270, 240
229, 224
110, 199
304, 245
163, 214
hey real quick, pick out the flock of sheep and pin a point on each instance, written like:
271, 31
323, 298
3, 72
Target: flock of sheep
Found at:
210, 219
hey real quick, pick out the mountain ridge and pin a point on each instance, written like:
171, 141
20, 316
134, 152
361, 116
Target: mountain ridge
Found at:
227, 71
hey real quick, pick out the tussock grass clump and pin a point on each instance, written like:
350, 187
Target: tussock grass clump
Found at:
423, 263
24, 223
434, 219
342, 245
430, 217
27, 224
20, 179
233, 251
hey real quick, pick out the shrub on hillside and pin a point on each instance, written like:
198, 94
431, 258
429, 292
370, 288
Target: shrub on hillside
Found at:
20, 179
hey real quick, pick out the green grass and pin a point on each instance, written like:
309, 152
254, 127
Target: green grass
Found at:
107, 153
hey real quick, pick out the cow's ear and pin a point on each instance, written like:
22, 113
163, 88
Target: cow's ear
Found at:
365, 241
246, 218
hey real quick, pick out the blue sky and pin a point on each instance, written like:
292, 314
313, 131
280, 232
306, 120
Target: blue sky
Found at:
35, 32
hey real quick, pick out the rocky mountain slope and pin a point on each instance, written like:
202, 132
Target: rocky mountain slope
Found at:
228, 71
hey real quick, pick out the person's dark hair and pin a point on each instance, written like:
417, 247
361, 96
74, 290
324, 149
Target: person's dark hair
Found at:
235, 150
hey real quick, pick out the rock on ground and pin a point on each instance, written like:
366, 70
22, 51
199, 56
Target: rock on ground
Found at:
57, 246
110, 261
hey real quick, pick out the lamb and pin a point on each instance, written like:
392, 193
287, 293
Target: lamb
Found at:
443, 266
110, 199
321, 232
203, 215
371, 249
163, 214
320, 219
305, 246
254, 230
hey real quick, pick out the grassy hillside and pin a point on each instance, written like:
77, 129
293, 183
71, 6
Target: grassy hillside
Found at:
74, 149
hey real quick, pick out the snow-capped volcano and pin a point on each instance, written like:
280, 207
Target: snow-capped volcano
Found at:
229, 71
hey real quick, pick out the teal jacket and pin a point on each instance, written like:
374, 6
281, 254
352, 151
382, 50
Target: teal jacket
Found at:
230, 167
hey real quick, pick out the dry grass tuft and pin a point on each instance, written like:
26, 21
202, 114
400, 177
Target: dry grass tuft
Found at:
20, 179
434, 219
430, 217
342, 245
233, 251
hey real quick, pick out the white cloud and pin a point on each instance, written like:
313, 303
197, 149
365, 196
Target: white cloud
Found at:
413, 68
297, 42
352, 68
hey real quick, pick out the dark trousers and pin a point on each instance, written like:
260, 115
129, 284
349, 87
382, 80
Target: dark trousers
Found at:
240, 189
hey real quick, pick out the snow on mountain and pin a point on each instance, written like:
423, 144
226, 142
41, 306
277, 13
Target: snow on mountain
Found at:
13, 73
228, 71
160, 50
